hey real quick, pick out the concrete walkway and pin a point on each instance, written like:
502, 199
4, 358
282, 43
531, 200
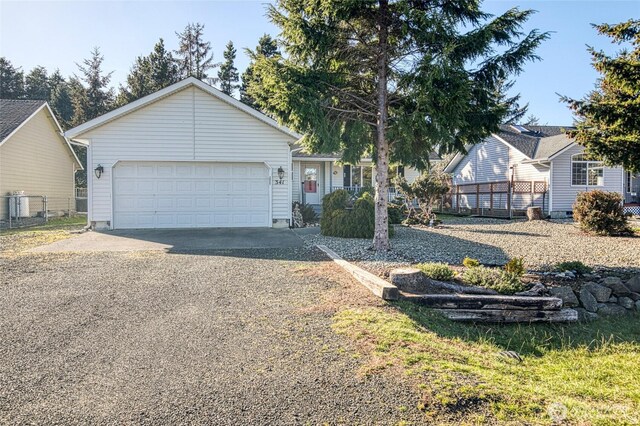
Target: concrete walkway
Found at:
175, 240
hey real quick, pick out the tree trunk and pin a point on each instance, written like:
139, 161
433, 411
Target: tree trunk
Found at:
381, 233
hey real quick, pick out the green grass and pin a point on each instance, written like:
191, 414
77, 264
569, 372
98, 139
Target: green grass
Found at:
589, 369
58, 223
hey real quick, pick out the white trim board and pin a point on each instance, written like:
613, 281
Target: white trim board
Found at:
149, 99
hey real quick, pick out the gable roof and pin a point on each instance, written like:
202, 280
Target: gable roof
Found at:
535, 142
14, 113
528, 142
167, 91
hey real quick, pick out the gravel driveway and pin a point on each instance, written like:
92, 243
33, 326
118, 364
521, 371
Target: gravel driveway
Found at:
541, 243
224, 338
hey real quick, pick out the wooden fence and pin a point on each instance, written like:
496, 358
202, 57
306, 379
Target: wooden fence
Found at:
496, 199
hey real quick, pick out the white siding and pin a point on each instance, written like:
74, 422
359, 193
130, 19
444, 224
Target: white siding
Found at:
296, 182
411, 174
563, 194
485, 162
190, 125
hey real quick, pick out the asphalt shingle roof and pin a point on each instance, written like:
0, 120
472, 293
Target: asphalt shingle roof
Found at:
13, 113
538, 142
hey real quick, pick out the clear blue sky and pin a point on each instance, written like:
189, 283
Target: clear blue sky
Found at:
57, 34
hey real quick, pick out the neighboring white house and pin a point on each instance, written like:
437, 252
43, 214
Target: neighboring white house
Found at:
191, 156
34, 157
546, 167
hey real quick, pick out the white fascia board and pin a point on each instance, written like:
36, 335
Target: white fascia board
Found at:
149, 99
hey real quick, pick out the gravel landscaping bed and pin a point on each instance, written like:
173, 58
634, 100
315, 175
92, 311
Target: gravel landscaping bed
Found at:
226, 338
493, 242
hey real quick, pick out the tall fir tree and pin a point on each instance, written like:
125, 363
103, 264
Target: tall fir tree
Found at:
60, 99
11, 80
608, 118
36, 84
94, 97
149, 74
268, 48
515, 111
228, 73
195, 58
391, 79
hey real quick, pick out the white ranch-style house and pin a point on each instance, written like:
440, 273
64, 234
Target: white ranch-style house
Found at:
190, 156
542, 167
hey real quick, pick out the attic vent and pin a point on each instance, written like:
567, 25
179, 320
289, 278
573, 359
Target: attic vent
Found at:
519, 128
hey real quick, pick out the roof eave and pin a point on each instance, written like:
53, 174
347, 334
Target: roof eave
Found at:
167, 91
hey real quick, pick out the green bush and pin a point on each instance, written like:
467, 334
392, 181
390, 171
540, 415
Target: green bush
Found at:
396, 214
469, 262
436, 271
575, 265
339, 219
515, 266
308, 214
496, 279
601, 213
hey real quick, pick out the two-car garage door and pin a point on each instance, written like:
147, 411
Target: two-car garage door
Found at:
190, 195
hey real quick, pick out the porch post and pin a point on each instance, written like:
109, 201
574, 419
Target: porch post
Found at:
330, 177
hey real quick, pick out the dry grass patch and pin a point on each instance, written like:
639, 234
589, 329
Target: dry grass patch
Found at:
14, 241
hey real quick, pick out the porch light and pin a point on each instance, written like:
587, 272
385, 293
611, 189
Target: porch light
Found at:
98, 171
280, 172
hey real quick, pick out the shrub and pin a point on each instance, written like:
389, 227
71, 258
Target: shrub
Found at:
396, 214
437, 271
339, 219
601, 213
469, 262
308, 214
496, 279
515, 266
575, 265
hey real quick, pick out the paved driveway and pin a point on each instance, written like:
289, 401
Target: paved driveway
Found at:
176, 240
223, 337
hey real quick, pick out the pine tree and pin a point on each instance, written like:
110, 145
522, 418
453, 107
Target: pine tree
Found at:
267, 48
36, 84
60, 99
608, 123
11, 80
94, 98
391, 79
515, 111
195, 58
228, 73
531, 120
149, 74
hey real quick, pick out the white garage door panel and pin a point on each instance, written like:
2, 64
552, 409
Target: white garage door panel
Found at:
187, 195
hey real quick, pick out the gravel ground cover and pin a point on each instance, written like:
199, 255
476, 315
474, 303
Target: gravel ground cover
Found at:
224, 338
493, 242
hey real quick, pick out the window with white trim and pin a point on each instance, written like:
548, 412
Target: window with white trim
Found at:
585, 172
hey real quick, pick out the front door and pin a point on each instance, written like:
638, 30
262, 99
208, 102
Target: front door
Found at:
310, 183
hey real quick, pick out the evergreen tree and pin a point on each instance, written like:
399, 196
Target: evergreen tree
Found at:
36, 84
195, 58
149, 74
394, 79
228, 73
60, 99
268, 48
11, 80
94, 98
608, 123
531, 120
515, 112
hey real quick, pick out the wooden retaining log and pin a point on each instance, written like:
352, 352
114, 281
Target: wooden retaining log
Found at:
486, 302
509, 316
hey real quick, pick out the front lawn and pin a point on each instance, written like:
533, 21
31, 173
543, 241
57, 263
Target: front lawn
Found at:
576, 374
16, 240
